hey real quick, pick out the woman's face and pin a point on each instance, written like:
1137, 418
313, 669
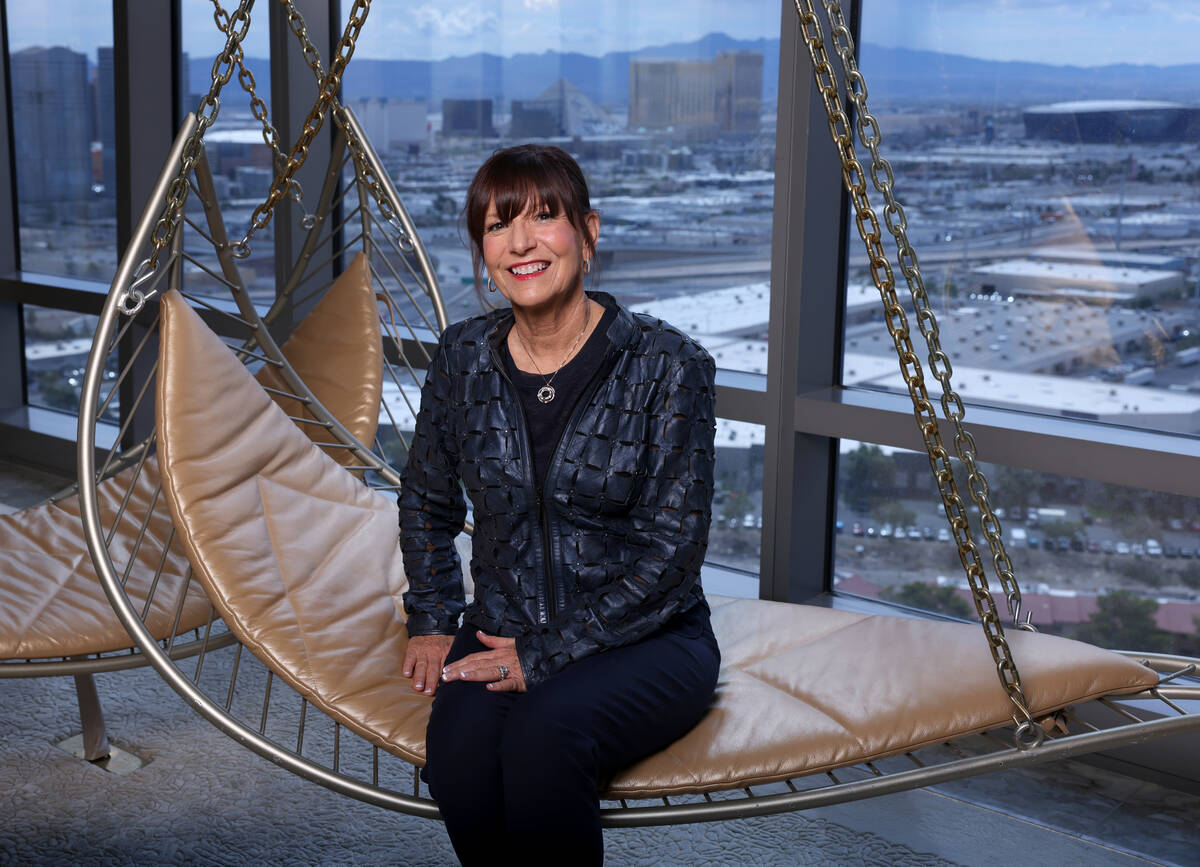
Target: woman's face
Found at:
535, 259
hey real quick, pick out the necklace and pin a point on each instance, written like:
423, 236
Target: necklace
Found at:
546, 393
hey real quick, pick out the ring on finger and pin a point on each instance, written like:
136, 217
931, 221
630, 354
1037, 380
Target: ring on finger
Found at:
503, 669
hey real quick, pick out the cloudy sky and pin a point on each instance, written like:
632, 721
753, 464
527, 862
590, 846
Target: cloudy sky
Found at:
1080, 32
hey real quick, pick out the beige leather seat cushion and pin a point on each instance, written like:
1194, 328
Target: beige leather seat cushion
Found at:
337, 351
51, 603
302, 562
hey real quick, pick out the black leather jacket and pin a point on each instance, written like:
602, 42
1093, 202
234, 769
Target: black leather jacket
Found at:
611, 548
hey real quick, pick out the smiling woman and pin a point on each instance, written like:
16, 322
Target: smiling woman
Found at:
584, 437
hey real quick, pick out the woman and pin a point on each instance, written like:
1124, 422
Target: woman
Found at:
583, 435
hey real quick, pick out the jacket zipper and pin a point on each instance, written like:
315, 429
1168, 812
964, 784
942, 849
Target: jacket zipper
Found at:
549, 590
543, 614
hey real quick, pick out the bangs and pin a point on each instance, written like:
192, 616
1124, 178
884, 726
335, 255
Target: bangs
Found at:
514, 196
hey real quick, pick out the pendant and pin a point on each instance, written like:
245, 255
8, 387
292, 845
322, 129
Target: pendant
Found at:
546, 393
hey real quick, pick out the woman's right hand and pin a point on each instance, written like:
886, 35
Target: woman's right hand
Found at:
424, 660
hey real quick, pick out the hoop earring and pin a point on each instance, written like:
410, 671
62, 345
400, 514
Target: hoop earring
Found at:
587, 266
491, 285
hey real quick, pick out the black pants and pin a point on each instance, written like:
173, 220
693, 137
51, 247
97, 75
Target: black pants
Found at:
516, 774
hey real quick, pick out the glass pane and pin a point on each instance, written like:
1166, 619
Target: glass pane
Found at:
1115, 566
735, 539
1050, 196
239, 158
57, 343
61, 68
669, 108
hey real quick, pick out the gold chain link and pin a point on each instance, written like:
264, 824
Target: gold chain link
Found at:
329, 85
1029, 733
222, 69
361, 164
258, 108
906, 257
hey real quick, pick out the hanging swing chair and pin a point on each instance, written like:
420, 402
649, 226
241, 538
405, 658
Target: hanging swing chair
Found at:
298, 554
55, 619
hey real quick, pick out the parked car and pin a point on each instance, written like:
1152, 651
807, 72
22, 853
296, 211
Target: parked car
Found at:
1107, 547
1034, 542
1075, 543
927, 534
857, 528
1122, 548
1171, 551
943, 534
1137, 549
914, 534
1186, 553
885, 532
1093, 546
1153, 548
1064, 544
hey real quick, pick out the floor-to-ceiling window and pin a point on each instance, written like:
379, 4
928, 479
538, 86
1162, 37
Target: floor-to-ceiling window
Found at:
1047, 163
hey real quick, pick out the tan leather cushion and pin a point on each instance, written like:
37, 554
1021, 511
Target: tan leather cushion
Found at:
337, 352
806, 689
302, 562
51, 603
298, 556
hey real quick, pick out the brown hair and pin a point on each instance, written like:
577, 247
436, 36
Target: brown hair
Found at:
517, 178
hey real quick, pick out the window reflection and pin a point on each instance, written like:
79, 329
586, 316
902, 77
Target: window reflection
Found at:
64, 139
1111, 565
1054, 212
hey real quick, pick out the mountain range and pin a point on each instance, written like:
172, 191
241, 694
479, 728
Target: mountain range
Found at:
896, 76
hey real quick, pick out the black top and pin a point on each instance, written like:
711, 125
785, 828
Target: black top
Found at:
546, 421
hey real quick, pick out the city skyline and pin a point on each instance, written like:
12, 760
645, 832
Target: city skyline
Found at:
1063, 33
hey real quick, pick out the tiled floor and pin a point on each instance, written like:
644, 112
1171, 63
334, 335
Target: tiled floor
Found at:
203, 799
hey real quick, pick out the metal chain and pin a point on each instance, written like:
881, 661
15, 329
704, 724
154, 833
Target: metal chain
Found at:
329, 86
258, 108
362, 166
906, 257
177, 193
1029, 733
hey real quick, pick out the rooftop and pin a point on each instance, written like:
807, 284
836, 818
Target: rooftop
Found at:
1082, 106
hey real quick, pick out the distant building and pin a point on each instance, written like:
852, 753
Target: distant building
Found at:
393, 124
52, 109
467, 117
725, 93
1109, 121
1073, 280
537, 118
562, 109
738, 92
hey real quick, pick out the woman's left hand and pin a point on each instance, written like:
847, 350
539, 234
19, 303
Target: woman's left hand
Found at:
498, 667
